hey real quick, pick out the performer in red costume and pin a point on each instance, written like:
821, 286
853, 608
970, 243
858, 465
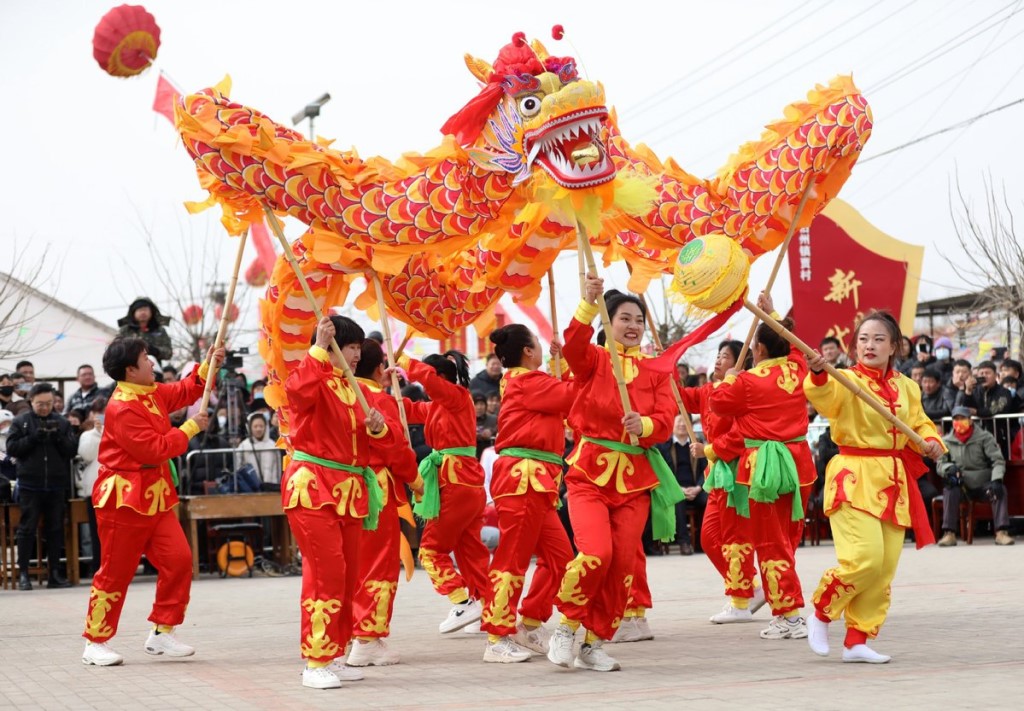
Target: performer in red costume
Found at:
374, 600
330, 494
725, 445
608, 479
453, 495
871, 493
134, 498
775, 472
524, 486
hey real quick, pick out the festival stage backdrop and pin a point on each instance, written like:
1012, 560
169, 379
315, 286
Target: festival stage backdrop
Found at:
843, 266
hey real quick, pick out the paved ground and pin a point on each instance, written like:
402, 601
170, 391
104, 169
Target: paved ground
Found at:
955, 633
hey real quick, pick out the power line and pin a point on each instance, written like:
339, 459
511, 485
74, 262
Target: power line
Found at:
961, 124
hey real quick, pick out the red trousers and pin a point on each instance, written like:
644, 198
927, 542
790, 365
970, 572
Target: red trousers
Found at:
776, 537
125, 536
640, 591
528, 524
330, 572
373, 601
711, 533
607, 526
457, 530
737, 549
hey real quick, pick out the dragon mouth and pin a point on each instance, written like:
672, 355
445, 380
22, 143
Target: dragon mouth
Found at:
570, 149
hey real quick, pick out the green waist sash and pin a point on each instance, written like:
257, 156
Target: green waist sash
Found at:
723, 476
664, 497
524, 453
374, 494
430, 505
775, 473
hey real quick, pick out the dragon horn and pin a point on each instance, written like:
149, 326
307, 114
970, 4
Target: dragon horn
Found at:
540, 50
479, 68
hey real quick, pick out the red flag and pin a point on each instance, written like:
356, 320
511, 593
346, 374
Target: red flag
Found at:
166, 97
666, 362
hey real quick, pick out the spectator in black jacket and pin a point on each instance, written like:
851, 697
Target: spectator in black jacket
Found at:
145, 321
986, 397
42, 443
488, 381
937, 400
689, 474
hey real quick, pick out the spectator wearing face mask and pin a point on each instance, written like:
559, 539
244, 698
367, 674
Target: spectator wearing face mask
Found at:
943, 358
7, 395
260, 452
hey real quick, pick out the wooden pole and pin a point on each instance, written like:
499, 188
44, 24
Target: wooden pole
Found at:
775, 270
275, 226
584, 246
222, 329
582, 266
846, 382
554, 317
386, 327
402, 345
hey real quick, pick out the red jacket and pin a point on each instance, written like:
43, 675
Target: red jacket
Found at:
397, 465
449, 420
138, 440
719, 430
597, 412
768, 403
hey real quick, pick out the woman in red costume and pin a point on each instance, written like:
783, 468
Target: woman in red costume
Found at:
524, 486
723, 450
453, 486
374, 599
609, 479
775, 472
330, 494
135, 496
871, 493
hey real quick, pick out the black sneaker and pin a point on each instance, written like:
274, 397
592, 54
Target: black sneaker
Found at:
24, 582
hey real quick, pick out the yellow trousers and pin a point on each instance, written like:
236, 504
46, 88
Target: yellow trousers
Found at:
868, 550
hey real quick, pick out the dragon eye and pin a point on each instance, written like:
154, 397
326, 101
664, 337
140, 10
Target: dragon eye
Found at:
529, 106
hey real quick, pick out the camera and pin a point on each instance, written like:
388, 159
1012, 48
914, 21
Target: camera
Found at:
233, 358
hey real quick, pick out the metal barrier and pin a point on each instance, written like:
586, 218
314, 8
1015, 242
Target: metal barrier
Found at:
226, 455
1006, 428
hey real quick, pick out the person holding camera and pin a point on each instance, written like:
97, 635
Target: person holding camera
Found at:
42, 443
973, 466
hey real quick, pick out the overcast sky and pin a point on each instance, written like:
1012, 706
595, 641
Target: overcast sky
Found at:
89, 167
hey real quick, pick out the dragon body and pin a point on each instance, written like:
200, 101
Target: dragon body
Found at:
536, 154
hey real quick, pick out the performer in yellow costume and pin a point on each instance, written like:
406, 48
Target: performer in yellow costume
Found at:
871, 494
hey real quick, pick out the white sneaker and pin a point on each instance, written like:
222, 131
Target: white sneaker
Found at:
167, 643
473, 628
372, 654
536, 640
757, 602
99, 654
865, 654
627, 631
594, 658
817, 635
343, 671
644, 628
730, 615
320, 678
505, 651
460, 616
783, 628
560, 646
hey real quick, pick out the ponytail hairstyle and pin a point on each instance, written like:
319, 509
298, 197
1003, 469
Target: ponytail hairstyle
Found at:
509, 342
735, 347
775, 345
891, 325
372, 356
451, 365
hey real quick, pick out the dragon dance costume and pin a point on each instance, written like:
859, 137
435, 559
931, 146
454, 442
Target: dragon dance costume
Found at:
329, 494
134, 498
608, 478
374, 600
773, 478
453, 499
871, 494
524, 486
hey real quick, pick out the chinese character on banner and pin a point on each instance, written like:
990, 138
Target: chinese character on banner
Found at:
857, 268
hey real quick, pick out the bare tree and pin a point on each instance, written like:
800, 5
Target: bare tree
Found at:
22, 300
990, 259
674, 321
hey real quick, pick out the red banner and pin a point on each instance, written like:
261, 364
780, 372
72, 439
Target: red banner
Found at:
166, 96
841, 267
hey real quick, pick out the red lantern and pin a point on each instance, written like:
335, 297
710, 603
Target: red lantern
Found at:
126, 41
192, 315
218, 312
256, 275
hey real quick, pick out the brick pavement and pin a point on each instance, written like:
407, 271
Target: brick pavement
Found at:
955, 634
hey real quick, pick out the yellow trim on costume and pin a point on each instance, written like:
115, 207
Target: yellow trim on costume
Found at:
417, 482
135, 389
190, 428
204, 370
403, 361
373, 385
709, 453
320, 354
379, 434
775, 315
729, 379
646, 426
586, 312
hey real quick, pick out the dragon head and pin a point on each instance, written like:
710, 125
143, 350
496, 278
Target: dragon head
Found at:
535, 113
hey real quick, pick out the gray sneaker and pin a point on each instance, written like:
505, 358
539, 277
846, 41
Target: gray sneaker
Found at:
594, 658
